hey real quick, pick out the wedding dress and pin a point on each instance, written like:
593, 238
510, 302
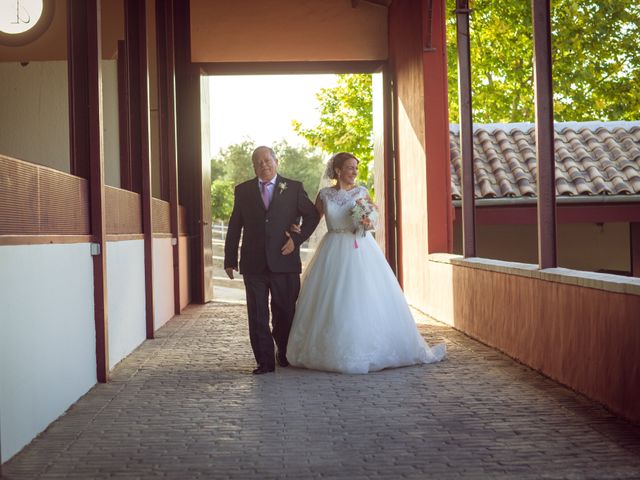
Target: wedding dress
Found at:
351, 315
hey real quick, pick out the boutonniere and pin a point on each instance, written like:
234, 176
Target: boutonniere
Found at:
282, 186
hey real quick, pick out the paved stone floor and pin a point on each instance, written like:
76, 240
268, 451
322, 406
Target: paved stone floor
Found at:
185, 406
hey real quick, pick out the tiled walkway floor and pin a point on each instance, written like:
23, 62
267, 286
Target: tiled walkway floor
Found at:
185, 406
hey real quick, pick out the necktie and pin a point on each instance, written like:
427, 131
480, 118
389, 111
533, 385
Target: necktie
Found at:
265, 193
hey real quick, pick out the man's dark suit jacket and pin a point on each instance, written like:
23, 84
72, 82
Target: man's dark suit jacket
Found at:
263, 231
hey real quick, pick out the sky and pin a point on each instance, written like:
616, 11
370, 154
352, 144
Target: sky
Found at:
262, 107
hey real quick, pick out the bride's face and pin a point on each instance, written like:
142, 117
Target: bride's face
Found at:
348, 172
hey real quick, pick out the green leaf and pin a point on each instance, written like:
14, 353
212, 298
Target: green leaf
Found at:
346, 122
596, 60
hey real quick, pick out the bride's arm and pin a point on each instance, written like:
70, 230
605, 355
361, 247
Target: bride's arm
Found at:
368, 197
295, 228
371, 222
319, 206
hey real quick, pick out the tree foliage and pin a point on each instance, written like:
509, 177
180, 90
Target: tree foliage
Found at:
300, 163
233, 166
596, 60
221, 199
346, 121
234, 162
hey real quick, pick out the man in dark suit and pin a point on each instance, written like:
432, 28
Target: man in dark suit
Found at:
264, 209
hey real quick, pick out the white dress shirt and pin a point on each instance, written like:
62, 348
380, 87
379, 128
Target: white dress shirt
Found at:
270, 187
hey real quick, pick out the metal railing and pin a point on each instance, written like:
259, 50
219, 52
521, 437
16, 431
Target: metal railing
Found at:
218, 230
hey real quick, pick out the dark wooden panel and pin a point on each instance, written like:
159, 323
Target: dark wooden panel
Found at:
407, 72
133, 9
634, 244
166, 23
466, 129
87, 149
36, 200
123, 214
438, 169
126, 179
145, 163
545, 150
283, 68
189, 148
161, 216
182, 221
79, 126
390, 193
165, 94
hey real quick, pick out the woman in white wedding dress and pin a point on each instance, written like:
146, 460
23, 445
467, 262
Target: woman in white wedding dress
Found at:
351, 315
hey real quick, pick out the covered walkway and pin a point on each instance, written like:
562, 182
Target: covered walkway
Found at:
185, 406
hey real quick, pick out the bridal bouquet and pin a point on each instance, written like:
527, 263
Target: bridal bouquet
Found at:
364, 215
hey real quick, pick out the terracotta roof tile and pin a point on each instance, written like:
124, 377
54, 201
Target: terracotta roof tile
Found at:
592, 158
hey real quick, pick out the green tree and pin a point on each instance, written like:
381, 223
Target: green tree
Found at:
230, 167
300, 163
236, 160
233, 166
596, 60
217, 168
221, 199
346, 121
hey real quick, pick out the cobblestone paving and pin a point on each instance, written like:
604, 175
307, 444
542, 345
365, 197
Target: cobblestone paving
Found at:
185, 406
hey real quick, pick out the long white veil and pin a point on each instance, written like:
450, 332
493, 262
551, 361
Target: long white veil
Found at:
321, 229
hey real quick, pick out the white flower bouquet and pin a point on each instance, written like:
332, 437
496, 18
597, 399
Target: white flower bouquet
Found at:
364, 215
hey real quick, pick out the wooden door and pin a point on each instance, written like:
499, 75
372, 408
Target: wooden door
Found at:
205, 191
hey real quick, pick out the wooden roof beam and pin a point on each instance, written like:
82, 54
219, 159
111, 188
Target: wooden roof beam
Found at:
382, 3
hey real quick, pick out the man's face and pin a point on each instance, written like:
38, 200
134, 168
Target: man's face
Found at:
264, 165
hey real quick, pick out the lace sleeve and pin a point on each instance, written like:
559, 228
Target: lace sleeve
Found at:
321, 229
322, 193
373, 215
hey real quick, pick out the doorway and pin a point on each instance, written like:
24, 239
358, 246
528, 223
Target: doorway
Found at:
284, 111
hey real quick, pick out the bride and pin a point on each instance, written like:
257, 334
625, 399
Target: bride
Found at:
351, 315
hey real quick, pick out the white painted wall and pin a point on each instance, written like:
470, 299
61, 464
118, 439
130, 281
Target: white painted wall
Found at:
34, 118
126, 298
47, 337
162, 281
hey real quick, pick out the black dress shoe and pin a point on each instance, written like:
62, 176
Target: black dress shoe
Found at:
261, 369
282, 360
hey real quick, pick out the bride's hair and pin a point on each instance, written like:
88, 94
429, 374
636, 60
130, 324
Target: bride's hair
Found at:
337, 161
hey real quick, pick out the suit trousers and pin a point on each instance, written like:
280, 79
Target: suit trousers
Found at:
283, 289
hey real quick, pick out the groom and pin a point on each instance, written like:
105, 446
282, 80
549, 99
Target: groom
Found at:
264, 209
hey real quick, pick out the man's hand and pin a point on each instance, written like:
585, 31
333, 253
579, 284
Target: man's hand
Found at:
289, 246
229, 271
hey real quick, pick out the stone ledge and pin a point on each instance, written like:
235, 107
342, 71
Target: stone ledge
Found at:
599, 281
